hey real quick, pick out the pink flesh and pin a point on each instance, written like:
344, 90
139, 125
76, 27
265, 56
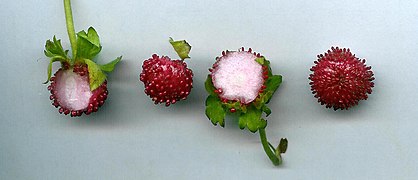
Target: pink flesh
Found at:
73, 90
239, 76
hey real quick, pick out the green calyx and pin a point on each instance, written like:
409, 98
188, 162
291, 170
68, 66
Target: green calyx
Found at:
249, 115
85, 47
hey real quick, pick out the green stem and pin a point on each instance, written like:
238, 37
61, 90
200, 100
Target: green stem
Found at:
276, 160
70, 27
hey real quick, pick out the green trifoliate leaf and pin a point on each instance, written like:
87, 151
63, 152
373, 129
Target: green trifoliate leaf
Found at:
109, 67
96, 75
88, 44
214, 110
252, 119
210, 88
181, 47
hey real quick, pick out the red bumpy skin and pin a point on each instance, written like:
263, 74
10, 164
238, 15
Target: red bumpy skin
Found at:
340, 80
70, 91
165, 80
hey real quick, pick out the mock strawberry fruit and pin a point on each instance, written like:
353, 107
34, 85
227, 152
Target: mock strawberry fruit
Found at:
241, 82
165, 80
340, 80
80, 85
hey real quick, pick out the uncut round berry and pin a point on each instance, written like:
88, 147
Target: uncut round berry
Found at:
340, 80
70, 91
237, 76
165, 80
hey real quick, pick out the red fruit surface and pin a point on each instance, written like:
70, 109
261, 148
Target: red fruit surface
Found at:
70, 91
340, 80
165, 80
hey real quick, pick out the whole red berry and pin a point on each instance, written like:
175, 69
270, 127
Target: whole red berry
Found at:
165, 80
340, 79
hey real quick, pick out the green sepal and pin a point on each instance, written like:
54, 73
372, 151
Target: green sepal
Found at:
266, 110
214, 110
260, 60
267, 63
282, 147
96, 75
54, 49
53, 59
273, 82
252, 119
210, 88
181, 47
88, 44
109, 67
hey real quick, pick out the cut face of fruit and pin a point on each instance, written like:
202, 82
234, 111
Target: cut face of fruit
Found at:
237, 76
73, 90
70, 92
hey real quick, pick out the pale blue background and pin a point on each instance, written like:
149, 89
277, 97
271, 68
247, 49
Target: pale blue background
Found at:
131, 138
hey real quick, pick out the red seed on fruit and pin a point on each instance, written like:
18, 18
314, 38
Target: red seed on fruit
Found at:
166, 80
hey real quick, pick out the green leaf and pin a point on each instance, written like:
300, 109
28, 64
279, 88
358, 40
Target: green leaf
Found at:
260, 60
54, 49
96, 75
88, 44
266, 110
181, 47
109, 67
214, 110
210, 88
53, 59
252, 119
